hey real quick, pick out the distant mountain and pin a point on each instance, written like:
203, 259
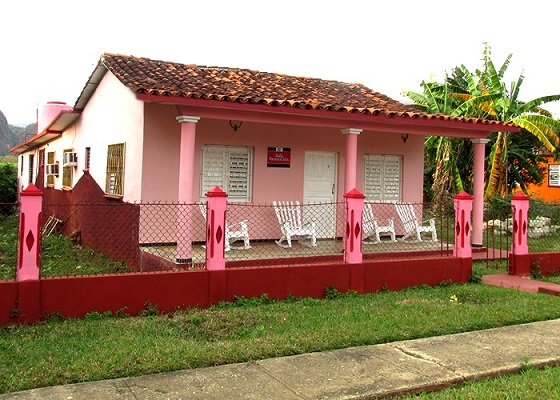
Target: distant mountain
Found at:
11, 135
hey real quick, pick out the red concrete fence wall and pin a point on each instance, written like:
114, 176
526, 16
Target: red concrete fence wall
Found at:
77, 296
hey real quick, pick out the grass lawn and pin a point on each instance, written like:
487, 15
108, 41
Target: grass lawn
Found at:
530, 384
59, 258
102, 346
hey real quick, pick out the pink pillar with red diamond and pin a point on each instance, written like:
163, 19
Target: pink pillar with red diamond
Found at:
520, 209
353, 231
463, 207
520, 259
216, 229
29, 260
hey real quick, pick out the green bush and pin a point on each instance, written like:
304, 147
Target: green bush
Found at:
8, 183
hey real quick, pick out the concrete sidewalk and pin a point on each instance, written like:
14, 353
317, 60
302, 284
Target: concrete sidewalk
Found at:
355, 373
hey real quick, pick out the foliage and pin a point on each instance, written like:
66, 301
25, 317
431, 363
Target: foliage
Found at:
8, 183
512, 158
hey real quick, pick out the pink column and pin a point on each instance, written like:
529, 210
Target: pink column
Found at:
29, 260
520, 209
351, 157
216, 229
185, 196
353, 232
478, 191
520, 259
463, 207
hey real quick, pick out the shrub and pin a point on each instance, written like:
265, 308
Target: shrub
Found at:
8, 183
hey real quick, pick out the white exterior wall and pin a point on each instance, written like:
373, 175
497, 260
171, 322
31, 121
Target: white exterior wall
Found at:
113, 115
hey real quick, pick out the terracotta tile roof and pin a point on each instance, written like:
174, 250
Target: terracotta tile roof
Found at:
161, 78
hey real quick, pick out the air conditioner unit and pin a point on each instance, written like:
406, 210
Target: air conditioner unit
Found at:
52, 169
69, 159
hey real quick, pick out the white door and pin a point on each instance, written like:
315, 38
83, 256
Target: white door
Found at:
320, 174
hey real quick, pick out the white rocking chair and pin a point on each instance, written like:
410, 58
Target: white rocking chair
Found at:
292, 225
233, 235
412, 226
371, 230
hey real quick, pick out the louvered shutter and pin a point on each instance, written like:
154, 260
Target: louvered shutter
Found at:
213, 168
229, 168
554, 175
373, 174
238, 174
383, 178
392, 179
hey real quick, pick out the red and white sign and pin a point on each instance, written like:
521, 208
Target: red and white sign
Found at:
279, 157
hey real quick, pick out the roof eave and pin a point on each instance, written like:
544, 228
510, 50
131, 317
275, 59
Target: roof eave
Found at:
90, 86
53, 131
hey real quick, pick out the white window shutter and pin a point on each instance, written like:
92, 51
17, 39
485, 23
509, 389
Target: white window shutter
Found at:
238, 174
554, 175
213, 164
383, 178
373, 174
229, 168
392, 179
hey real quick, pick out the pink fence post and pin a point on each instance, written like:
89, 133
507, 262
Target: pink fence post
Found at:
463, 207
216, 229
29, 260
353, 232
520, 264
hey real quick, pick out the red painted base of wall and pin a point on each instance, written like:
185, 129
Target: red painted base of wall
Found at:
76, 296
546, 263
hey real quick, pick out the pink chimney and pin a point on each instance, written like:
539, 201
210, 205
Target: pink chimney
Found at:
48, 112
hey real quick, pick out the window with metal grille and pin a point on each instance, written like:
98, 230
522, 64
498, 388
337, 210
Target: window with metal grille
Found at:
115, 169
87, 156
228, 167
67, 172
383, 178
554, 175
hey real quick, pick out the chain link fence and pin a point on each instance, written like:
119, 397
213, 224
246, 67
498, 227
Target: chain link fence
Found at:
172, 236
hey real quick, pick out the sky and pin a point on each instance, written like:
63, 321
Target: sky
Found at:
50, 48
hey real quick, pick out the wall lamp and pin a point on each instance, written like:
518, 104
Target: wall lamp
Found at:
404, 137
235, 125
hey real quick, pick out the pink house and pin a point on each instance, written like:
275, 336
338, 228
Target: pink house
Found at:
149, 130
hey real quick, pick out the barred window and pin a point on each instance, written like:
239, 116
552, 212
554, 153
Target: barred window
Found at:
115, 169
228, 167
383, 178
67, 171
554, 175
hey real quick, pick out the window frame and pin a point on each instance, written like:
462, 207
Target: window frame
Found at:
384, 168
554, 176
115, 168
229, 180
67, 172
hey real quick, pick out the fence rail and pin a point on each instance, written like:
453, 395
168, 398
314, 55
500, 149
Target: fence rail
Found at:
145, 236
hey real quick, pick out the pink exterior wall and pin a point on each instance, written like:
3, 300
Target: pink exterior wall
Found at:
161, 155
161, 164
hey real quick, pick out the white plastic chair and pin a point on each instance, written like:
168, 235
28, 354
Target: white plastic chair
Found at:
291, 224
412, 226
371, 230
242, 233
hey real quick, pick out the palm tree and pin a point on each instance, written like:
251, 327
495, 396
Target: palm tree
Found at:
447, 160
483, 94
